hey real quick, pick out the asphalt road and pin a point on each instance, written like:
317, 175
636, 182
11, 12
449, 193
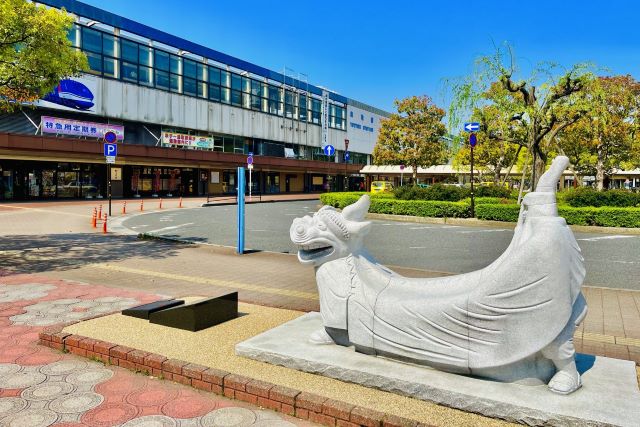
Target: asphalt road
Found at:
612, 260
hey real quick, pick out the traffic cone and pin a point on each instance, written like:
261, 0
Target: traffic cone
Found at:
141, 205
160, 202
124, 208
94, 218
104, 225
180, 205
100, 212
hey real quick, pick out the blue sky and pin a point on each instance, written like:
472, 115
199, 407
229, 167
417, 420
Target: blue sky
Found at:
378, 51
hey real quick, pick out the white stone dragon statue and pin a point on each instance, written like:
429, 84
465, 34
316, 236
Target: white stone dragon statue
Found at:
512, 321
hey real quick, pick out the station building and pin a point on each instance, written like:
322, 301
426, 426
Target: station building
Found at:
186, 116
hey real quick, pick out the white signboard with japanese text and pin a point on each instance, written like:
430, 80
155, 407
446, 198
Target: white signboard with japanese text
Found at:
59, 126
171, 139
325, 118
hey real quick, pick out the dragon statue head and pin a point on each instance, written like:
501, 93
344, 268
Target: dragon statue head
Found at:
329, 234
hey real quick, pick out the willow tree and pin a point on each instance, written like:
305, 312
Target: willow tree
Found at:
413, 136
35, 52
543, 104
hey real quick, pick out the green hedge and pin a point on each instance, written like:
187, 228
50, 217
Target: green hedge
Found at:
486, 210
583, 197
603, 217
386, 205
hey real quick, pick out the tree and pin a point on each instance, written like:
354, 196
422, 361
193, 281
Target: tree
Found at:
35, 52
500, 139
606, 137
413, 136
542, 106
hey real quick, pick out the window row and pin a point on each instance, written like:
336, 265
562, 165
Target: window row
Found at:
130, 61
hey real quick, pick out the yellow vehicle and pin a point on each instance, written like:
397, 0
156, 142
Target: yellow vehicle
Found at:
381, 186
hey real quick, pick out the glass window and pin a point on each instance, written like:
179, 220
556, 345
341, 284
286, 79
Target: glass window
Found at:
108, 45
175, 64
174, 81
188, 86
302, 108
236, 82
214, 76
229, 144
200, 71
109, 67
201, 89
236, 98
189, 68
256, 102
246, 85
95, 61
214, 92
91, 40
71, 35
145, 76
256, 88
238, 145
224, 78
372, 120
225, 95
129, 51
129, 72
162, 79
350, 113
218, 143
145, 55
161, 60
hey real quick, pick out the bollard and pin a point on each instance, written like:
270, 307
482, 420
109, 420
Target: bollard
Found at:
124, 207
100, 212
180, 205
160, 206
104, 225
94, 218
141, 205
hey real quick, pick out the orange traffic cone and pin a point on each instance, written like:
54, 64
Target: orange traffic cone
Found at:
160, 203
124, 207
104, 225
94, 218
141, 205
100, 212
180, 205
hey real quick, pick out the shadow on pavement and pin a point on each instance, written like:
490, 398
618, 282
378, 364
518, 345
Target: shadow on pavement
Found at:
36, 254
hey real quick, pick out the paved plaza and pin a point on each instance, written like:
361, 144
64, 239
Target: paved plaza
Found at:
56, 268
40, 386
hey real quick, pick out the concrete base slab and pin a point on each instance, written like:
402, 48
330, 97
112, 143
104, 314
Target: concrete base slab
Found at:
609, 395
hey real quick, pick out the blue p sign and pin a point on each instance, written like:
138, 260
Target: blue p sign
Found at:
110, 150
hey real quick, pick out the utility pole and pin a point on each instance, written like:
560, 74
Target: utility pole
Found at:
472, 144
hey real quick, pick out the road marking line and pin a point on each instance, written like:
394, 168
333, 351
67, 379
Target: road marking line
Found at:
417, 247
420, 228
173, 227
483, 231
595, 239
212, 282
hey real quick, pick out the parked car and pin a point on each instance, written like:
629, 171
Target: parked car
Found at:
423, 185
381, 186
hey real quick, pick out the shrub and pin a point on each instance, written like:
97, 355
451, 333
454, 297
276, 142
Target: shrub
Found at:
447, 193
582, 197
504, 212
492, 191
492, 201
386, 205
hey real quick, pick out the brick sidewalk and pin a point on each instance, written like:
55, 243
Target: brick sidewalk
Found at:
611, 328
40, 386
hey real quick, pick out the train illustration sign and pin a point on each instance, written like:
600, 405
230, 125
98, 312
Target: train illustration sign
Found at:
73, 93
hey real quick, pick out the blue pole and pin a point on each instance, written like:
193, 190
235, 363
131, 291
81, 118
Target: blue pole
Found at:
240, 210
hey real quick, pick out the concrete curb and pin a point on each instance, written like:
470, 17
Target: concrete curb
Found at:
303, 405
253, 202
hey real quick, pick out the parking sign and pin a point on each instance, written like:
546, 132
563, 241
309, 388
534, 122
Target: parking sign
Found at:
110, 150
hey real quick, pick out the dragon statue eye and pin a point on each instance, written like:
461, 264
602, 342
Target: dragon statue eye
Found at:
321, 226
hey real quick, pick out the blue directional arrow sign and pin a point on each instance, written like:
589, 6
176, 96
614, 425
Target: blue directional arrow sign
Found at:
346, 156
472, 127
329, 150
110, 150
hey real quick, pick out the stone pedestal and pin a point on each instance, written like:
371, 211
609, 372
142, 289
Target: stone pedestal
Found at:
609, 396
